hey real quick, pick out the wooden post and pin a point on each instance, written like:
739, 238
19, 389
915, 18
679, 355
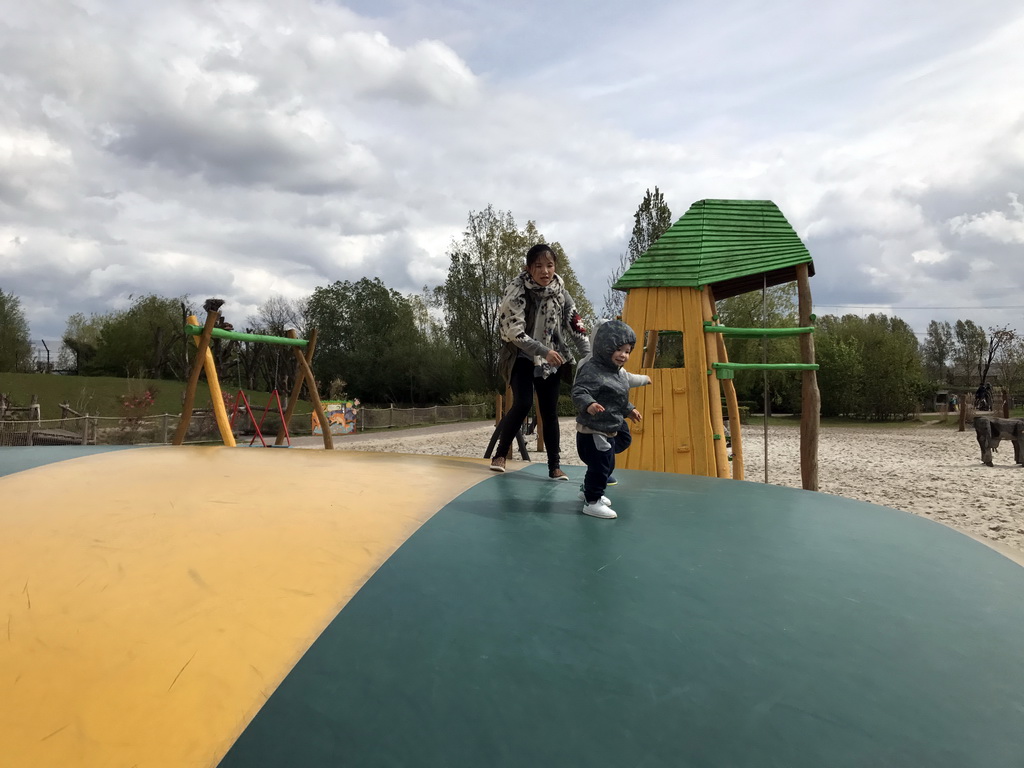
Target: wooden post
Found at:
714, 392
85, 431
289, 409
304, 371
499, 409
962, 423
735, 432
1006, 403
165, 428
193, 377
651, 350
810, 415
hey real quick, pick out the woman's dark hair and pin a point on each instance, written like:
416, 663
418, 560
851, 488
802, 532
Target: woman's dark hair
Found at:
535, 253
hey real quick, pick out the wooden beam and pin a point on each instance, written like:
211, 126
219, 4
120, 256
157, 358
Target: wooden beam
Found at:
735, 433
303, 369
202, 344
810, 415
714, 392
297, 386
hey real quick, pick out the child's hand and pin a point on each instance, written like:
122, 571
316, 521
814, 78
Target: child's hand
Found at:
595, 408
635, 415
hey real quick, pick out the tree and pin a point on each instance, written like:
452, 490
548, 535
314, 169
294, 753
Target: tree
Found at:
146, 340
271, 366
15, 342
997, 338
968, 351
937, 350
366, 336
491, 252
651, 220
870, 367
78, 344
1011, 363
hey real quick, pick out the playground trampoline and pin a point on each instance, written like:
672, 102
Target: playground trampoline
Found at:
216, 606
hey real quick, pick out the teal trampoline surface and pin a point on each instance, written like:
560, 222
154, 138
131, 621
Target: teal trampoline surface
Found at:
715, 623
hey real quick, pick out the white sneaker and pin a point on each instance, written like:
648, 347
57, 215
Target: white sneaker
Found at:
599, 509
604, 499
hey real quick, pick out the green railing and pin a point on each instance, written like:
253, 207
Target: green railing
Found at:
220, 333
753, 333
726, 370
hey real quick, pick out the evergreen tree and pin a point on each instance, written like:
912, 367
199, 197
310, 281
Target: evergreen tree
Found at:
651, 220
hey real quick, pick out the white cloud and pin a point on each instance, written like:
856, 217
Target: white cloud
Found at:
1000, 226
255, 148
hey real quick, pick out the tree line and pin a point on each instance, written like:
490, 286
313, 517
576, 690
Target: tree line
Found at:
442, 345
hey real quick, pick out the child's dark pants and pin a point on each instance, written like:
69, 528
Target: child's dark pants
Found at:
600, 464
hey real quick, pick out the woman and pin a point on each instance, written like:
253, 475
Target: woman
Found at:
536, 319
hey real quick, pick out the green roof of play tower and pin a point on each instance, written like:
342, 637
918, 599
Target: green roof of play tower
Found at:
735, 246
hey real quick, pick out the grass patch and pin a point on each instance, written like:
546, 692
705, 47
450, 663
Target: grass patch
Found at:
101, 395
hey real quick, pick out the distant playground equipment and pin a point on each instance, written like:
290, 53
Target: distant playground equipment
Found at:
718, 249
204, 361
342, 417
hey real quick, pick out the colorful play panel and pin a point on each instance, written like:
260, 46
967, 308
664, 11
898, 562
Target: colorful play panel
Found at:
255, 607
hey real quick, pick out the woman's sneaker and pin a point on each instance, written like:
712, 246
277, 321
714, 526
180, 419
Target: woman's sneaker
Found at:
557, 474
498, 464
599, 509
604, 499
612, 480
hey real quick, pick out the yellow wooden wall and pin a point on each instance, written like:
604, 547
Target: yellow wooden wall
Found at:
675, 434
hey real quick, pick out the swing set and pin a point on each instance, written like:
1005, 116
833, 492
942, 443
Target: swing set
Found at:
203, 335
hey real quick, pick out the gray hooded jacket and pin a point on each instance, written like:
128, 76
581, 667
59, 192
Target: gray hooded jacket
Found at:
599, 380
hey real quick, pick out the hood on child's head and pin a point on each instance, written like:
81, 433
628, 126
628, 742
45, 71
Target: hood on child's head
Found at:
609, 337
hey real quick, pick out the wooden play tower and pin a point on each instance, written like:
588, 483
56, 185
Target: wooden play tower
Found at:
718, 249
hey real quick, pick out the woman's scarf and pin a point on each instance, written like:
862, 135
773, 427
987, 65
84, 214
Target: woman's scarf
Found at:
550, 305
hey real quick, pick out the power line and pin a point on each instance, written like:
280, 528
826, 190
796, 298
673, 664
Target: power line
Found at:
893, 306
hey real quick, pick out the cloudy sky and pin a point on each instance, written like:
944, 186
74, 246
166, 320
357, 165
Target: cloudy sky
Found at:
246, 149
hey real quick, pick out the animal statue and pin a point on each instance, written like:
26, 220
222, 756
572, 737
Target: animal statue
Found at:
991, 431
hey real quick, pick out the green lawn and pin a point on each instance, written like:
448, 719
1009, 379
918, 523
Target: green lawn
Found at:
100, 395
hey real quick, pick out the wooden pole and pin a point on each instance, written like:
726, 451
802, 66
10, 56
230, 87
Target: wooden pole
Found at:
202, 345
962, 423
714, 392
735, 433
304, 371
651, 350
810, 415
220, 411
296, 387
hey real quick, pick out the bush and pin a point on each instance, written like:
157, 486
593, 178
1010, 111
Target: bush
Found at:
565, 406
475, 398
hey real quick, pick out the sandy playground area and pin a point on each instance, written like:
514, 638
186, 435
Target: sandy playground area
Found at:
932, 471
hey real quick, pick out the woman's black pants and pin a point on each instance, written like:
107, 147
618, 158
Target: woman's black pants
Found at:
524, 384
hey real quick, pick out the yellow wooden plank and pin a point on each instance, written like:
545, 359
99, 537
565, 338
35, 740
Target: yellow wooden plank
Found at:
154, 598
673, 433
715, 395
648, 445
634, 314
696, 384
661, 389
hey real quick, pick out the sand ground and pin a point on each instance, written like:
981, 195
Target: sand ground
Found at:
928, 470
